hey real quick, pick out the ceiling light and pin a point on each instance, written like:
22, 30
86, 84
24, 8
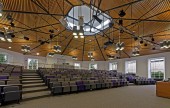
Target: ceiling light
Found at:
8, 37
81, 36
25, 48
2, 38
92, 59
51, 54
90, 54
9, 47
57, 48
81, 31
165, 44
74, 58
75, 36
37, 53
75, 31
120, 46
97, 19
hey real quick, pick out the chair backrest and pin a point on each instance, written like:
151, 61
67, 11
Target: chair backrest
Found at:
2, 82
13, 82
10, 88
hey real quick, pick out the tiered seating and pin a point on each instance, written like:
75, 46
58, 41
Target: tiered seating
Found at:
10, 83
144, 81
132, 78
70, 80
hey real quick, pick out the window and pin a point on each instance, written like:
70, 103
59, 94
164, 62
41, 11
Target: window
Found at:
113, 66
130, 66
92, 66
77, 65
156, 68
3, 58
32, 64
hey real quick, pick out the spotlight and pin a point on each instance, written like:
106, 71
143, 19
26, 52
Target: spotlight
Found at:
141, 42
152, 39
51, 31
37, 53
26, 38
122, 13
97, 18
12, 35
145, 44
153, 48
12, 24
135, 38
51, 36
120, 22
9, 17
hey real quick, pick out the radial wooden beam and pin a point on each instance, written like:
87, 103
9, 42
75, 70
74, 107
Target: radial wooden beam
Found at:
100, 49
67, 45
83, 49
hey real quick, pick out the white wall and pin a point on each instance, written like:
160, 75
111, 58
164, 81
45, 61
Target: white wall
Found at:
20, 59
141, 62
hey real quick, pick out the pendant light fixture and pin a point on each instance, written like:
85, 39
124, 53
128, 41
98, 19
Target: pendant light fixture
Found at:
57, 48
120, 45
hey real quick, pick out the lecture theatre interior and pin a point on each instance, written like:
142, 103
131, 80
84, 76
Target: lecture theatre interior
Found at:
85, 53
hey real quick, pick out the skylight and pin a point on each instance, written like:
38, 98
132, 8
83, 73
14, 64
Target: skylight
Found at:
90, 26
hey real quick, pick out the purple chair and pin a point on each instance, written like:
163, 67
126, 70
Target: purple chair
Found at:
80, 86
3, 77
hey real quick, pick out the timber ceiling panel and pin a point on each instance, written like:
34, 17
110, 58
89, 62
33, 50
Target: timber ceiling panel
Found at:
34, 19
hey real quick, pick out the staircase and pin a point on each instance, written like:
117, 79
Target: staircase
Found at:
33, 86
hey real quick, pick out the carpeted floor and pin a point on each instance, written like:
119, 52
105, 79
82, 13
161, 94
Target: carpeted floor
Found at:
123, 97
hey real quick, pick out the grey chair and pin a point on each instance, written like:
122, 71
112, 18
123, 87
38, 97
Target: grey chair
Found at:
73, 86
65, 87
92, 85
11, 93
2, 82
56, 88
87, 85
98, 85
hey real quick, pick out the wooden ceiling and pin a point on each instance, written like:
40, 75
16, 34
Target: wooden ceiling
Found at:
34, 19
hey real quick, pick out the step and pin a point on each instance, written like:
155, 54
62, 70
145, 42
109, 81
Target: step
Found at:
30, 74
24, 79
32, 81
26, 70
33, 85
34, 89
37, 76
35, 95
